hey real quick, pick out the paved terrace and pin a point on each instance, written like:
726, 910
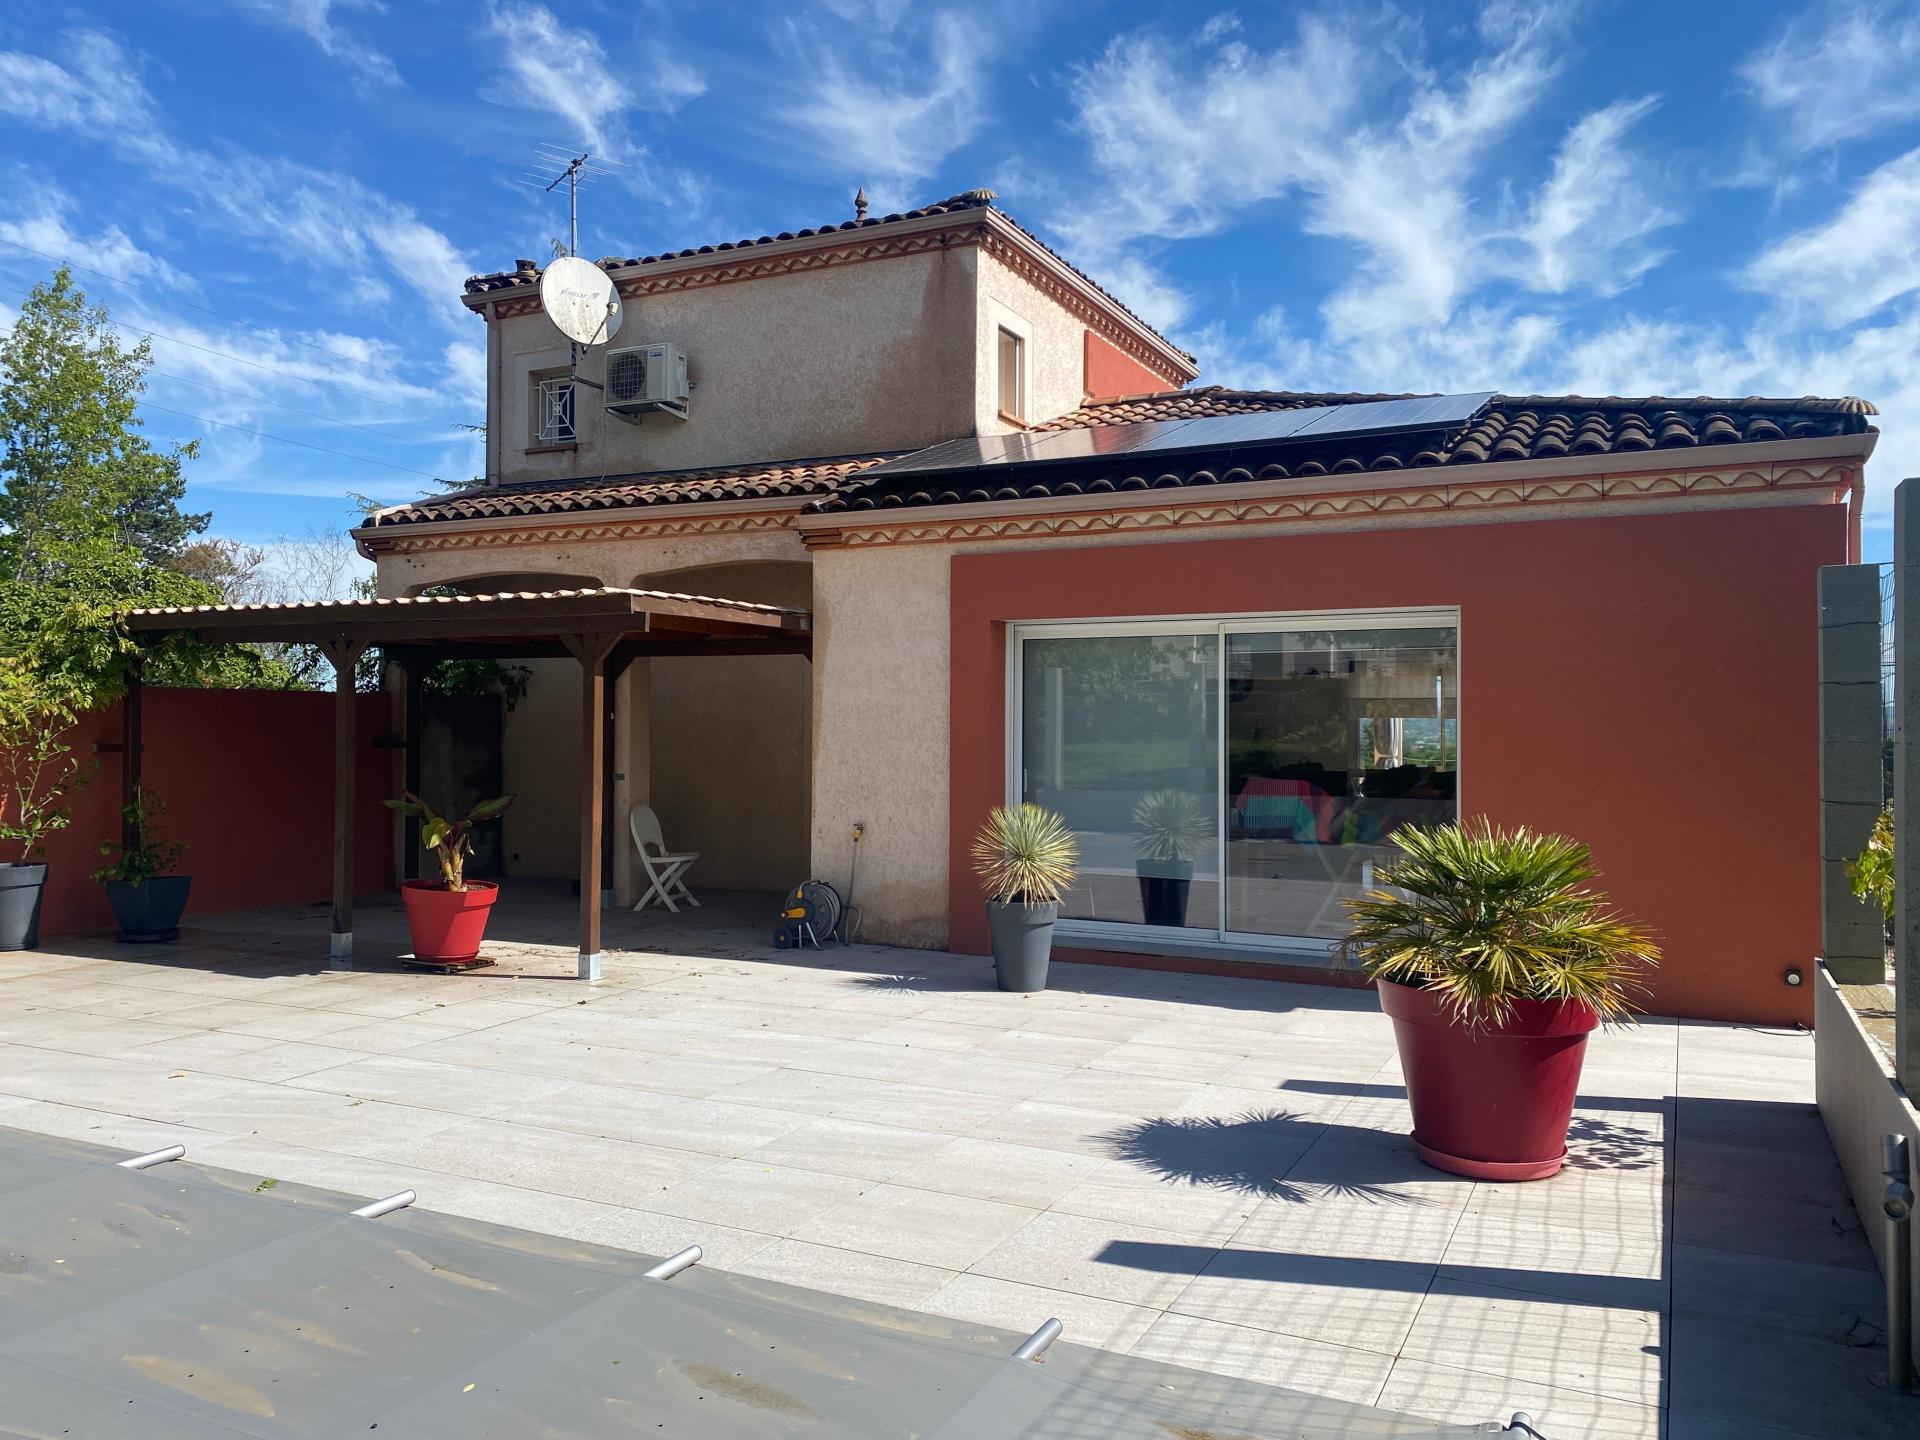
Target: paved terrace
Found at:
1210, 1172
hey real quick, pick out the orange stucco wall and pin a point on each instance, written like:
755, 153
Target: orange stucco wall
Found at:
1110, 371
247, 780
1645, 683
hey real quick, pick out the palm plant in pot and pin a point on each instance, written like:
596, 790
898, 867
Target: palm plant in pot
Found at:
448, 916
1026, 859
147, 901
38, 770
1495, 960
1169, 827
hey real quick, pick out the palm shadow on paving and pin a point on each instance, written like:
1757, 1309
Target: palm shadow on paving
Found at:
1268, 1153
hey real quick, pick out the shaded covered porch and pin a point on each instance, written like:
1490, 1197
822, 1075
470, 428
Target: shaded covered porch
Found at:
603, 630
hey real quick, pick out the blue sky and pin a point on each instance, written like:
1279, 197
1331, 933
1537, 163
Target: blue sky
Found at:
1604, 197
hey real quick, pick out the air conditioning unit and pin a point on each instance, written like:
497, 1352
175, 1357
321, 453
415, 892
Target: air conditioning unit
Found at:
643, 378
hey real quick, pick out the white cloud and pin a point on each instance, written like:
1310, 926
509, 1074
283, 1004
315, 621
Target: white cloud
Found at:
1865, 256
886, 109
314, 19
329, 219
552, 67
1389, 159
97, 89
1588, 223
45, 231
569, 73
1834, 75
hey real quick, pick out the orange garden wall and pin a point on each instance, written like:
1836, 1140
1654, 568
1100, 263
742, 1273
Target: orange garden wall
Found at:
1647, 684
247, 780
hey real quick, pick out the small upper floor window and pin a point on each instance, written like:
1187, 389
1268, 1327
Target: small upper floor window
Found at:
1013, 376
553, 410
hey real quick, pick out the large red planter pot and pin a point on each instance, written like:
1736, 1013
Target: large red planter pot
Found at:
1490, 1104
448, 924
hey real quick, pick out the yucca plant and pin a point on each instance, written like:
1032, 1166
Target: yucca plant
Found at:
450, 840
1169, 827
1025, 855
1486, 917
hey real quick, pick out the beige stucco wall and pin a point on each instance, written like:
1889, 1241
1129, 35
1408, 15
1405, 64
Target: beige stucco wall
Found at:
1860, 1101
540, 764
617, 560
880, 734
730, 742
835, 361
1056, 349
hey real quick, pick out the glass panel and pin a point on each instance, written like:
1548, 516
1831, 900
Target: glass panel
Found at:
1010, 358
1335, 739
1121, 735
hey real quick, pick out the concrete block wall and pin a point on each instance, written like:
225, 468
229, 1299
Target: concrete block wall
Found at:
1852, 726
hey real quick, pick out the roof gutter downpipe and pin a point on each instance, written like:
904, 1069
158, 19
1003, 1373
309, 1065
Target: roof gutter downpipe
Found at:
1856, 520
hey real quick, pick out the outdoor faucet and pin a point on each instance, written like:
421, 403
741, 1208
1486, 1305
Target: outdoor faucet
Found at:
1898, 1205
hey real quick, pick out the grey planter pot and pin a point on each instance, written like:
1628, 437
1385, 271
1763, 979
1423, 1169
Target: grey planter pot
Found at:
1163, 891
1022, 943
21, 887
149, 912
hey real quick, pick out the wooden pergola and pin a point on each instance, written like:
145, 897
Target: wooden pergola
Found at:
603, 629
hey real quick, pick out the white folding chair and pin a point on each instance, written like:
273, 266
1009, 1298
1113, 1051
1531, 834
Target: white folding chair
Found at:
665, 870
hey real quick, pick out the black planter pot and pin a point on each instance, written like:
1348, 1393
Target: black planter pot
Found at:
21, 887
1022, 944
149, 910
1163, 893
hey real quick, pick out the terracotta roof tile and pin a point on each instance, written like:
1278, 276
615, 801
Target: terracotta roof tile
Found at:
528, 273
763, 481
1513, 427
1529, 427
1195, 403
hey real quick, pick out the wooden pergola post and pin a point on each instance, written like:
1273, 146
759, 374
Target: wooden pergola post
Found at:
344, 650
604, 629
591, 650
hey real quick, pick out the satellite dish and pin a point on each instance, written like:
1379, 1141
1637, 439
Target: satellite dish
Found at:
581, 300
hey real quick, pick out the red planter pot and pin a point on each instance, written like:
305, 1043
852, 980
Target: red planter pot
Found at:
448, 925
1490, 1104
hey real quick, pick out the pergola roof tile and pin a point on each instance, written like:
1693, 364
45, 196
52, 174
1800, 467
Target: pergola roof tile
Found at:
347, 609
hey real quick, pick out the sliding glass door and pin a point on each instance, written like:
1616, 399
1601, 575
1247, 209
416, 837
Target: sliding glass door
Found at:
1234, 780
1121, 731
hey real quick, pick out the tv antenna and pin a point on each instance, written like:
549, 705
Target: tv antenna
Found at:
556, 165
579, 297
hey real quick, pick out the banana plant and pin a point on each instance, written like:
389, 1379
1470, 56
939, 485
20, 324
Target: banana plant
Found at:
449, 840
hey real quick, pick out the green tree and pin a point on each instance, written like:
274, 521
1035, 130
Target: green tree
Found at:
90, 511
74, 465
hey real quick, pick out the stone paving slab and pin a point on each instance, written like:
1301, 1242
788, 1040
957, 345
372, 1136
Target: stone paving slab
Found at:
1208, 1171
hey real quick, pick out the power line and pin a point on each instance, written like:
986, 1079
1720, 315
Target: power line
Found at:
296, 410
287, 440
230, 319
371, 399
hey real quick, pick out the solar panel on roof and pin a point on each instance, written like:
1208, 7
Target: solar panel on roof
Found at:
1097, 440
968, 453
1209, 432
1260, 427
1423, 412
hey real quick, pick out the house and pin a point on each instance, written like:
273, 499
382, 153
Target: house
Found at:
1236, 653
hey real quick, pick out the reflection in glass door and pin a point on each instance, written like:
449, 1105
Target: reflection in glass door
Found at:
1120, 734
1281, 754
1335, 739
